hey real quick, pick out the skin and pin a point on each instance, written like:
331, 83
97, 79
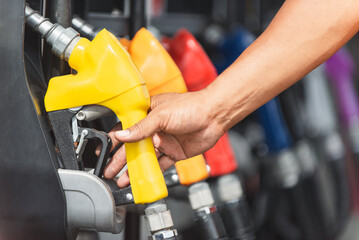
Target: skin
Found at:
304, 34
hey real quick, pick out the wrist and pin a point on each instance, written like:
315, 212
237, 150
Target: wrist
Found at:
230, 99
215, 109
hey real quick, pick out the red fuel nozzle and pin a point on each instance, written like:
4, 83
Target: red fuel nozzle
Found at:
198, 72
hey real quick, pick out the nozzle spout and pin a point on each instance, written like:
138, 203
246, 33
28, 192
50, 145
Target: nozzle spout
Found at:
62, 40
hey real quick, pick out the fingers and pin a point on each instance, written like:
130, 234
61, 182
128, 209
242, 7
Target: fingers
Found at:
111, 134
123, 180
117, 162
149, 125
169, 145
141, 130
158, 99
135, 133
165, 163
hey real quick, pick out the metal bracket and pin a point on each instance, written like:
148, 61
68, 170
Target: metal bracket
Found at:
90, 202
171, 177
121, 196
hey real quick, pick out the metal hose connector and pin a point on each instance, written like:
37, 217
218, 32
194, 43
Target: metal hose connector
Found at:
85, 29
159, 222
63, 40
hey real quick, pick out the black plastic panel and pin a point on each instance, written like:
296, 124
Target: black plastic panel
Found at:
32, 204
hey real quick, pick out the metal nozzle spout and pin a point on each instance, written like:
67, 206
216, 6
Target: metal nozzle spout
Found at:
62, 40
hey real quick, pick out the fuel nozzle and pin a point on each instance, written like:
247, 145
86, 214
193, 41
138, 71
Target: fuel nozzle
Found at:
63, 40
163, 76
106, 76
198, 72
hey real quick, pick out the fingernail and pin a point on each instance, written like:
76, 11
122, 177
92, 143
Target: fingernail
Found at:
123, 133
156, 140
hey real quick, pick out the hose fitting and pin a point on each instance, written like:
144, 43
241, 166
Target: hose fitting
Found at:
62, 40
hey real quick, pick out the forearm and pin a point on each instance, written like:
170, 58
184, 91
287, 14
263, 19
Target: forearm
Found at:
303, 35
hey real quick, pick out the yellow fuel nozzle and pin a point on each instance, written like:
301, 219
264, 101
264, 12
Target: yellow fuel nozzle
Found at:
107, 76
162, 75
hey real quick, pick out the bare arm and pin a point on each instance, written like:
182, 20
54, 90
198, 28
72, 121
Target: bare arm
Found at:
303, 35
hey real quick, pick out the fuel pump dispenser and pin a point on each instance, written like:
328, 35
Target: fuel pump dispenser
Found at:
32, 200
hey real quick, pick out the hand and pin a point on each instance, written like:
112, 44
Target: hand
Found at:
181, 125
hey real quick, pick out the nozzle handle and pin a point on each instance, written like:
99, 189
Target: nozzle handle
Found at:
107, 76
147, 181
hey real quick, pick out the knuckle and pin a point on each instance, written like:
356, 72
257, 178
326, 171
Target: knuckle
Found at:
138, 129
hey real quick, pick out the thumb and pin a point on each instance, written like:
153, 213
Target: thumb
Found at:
141, 130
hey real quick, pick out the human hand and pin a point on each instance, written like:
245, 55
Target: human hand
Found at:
182, 126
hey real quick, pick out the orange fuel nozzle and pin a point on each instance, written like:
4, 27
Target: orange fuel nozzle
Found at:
192, 170
160, 72
107, 76
162, 75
